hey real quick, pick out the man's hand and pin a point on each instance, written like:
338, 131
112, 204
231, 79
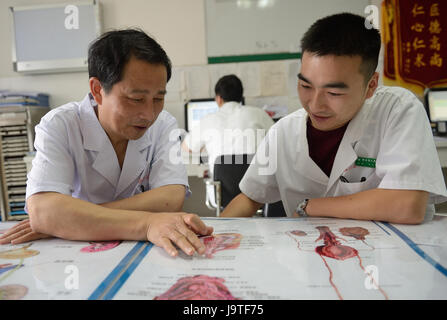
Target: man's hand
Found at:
164, 229
20, 233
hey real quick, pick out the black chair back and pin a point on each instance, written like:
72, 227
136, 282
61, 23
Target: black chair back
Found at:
229, 170
275, 209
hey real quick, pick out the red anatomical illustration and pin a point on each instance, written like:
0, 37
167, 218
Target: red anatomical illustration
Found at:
199, 287
333, 249
100, 246
358, 233
219, 242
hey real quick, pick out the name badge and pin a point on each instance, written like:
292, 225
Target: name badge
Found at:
365, 162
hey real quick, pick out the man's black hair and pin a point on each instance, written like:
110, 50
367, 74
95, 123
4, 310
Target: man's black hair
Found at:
344, 34
109, 54
229, 88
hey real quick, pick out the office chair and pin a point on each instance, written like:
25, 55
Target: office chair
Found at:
228, 172
275, 209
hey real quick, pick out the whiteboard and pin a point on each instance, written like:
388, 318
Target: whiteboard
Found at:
254, 27
43, 42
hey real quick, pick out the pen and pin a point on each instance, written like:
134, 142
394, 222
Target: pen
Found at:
343, 179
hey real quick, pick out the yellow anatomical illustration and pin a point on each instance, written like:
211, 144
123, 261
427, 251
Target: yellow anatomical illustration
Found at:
19, 253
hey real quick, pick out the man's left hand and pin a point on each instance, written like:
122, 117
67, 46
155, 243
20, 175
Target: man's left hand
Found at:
21, 233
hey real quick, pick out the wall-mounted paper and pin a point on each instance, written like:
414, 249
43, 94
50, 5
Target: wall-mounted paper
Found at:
177, 81
273, 79
250, 75
198, 82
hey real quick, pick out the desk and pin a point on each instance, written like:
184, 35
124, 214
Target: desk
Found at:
251, 258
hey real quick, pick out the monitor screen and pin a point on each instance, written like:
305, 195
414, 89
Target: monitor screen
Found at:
437, 105
196, 110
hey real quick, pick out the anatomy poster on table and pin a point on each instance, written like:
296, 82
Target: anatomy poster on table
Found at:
291, 259
56, 268
257, 259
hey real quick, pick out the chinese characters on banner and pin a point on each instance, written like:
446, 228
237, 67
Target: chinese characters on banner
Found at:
415, 42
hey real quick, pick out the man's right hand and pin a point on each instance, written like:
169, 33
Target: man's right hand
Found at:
181, 229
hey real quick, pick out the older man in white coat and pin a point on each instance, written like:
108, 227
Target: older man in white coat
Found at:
102, 169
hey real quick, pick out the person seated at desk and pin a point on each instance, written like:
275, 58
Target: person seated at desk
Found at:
233, 129
355, 150
102, 169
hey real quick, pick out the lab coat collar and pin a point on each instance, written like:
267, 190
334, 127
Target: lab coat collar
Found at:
346, 155
229, 107
92, 131
311, 170
134, 164
106, 161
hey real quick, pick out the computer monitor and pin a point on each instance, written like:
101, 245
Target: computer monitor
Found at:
436, 105
196, 109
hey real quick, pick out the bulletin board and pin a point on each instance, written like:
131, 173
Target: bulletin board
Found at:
255, 30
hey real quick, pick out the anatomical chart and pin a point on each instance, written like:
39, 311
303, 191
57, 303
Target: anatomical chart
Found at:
56, 269
309, 258
266, 258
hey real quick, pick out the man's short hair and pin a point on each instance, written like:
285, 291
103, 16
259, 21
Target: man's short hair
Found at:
344, 34
109, 54
229, 88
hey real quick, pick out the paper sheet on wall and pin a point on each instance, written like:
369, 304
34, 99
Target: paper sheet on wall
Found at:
177, 81
250, 75
198, 82
291, 259
273, 79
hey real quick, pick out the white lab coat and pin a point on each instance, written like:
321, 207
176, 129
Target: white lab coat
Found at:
233, 129
391, 127
75, 157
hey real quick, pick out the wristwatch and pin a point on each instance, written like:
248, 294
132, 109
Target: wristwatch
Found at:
301, 208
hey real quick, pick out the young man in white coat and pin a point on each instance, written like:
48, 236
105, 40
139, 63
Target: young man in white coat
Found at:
355, 150
102, 169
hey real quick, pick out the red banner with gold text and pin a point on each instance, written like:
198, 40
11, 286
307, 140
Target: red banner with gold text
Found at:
415, 41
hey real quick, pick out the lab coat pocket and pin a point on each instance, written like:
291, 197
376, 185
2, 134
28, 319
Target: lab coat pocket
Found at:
140, 188
345, 188
143, 183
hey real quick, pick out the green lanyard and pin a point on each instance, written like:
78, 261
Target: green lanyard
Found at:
365, 162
